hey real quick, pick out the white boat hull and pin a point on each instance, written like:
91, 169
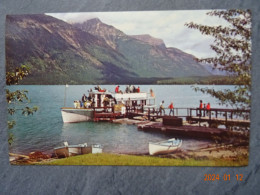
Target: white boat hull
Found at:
76, 115
72, 150
162, 147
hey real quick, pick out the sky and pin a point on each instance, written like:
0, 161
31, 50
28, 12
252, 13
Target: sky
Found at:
166, 25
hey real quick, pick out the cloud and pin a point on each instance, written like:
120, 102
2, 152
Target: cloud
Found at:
166, 25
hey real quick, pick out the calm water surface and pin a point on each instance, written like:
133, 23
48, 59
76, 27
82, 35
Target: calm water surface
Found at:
45, 130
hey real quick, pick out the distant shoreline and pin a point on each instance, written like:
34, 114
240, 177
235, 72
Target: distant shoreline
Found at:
193, 80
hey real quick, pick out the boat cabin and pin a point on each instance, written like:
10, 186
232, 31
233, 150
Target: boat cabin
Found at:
107, 99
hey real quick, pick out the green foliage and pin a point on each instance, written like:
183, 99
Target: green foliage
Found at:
18, 96
209, 80
232, 45
132, 160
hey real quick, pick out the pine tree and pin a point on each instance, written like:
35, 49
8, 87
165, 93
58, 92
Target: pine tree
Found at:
232, 44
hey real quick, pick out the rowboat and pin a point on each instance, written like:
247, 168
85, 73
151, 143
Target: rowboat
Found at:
73, 150
164, 147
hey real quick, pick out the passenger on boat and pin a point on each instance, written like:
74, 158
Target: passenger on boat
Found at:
134, 89
84, 99
162, 108
127, 90
93, 103
98, 88
171, 109
122, 101
152, 93
89, 97
131, 88
138, 89
106, 101
75, 104
128, 103
117, 89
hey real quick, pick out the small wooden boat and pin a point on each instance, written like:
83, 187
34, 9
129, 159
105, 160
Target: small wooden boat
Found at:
164, 147
96, 148
72, 150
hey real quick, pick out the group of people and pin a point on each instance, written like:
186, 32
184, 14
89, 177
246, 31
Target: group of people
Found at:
162, 109
129, 89
204, 107
171, 107
86, 101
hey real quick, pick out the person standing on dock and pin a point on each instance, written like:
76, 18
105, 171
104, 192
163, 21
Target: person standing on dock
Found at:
208, 108
200, 108
204, 110
162, 108
201, 104
171, 109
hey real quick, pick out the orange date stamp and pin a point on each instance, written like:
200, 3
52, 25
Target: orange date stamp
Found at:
225, 177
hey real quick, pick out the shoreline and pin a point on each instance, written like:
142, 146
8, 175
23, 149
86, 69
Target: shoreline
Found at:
229, 152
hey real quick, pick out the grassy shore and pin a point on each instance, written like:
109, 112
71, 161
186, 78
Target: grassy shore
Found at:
133, 160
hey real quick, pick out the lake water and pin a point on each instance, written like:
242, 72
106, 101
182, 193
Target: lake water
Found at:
45, 129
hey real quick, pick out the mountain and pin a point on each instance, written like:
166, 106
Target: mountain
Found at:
147, 56
150, 40
57, 52
90, 53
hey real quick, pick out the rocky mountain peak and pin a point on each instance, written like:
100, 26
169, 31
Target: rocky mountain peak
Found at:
93, 21
150, 40
107, 32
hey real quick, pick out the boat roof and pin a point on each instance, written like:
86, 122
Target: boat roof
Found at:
124, 96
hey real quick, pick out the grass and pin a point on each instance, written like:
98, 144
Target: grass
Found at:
133, 160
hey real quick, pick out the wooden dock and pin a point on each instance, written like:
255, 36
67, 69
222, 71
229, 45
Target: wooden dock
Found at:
214, 117
188, 131
218, 116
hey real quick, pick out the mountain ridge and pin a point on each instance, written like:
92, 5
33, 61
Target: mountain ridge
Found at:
89, 53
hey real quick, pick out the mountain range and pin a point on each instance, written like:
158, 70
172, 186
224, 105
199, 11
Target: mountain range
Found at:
91, 52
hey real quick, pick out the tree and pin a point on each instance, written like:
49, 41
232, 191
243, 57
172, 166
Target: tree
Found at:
232, 44
13, 97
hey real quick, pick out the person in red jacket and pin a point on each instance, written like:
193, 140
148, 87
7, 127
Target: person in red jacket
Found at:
171, 109
208, 108
200, 108
117, 89
201, 104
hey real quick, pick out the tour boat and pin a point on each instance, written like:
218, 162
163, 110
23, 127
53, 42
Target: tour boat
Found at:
164, 147
103, 100
72, 150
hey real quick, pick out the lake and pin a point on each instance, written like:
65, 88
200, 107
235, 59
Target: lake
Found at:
45, 129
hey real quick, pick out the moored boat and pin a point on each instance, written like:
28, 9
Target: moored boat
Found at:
164, 147
101, 100
72, 150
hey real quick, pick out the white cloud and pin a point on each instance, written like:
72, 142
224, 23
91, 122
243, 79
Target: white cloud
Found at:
166, 25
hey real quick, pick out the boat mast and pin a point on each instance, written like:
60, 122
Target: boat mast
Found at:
65, 94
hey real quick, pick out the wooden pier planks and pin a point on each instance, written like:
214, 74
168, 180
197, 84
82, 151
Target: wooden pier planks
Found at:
227, 122
185, 130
